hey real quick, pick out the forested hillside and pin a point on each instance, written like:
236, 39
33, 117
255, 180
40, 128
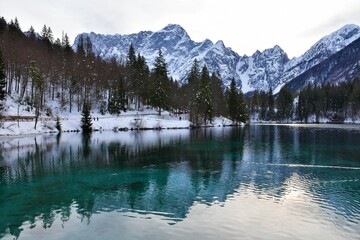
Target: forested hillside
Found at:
49, 77
329, 103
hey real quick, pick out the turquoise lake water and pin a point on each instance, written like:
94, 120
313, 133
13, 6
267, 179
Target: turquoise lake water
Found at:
254, 182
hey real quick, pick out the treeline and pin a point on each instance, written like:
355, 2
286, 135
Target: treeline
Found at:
41, 72
336, 103
49, 77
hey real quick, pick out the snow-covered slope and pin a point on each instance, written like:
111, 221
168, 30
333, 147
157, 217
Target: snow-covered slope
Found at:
320, 51
262, 70
179, 50
342, 66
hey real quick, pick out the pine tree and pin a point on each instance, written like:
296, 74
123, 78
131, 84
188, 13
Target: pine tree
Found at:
204, 97
134, 78
218, 95
233, 101
191, 89
271, 112
284, 104
17, 24
242, 115
57, 43
32, 34
140, 78
143, 75
303, 108
355, 100
116, 101
2, 78
44, 32
254, 103
131, 56
263, 105
112, 104
58, 124
14, 27
2, 81
66, 44
316, 102
194, 74
160, 89
38, 83
236, 105
50, 35
176, 96
3, 24
86, 124
47, 35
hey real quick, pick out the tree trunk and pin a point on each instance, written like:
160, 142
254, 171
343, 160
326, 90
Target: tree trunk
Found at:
70, 100
37, 113
24, 88
53, 93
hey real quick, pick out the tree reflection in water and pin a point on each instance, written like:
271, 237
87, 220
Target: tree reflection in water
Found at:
166, 172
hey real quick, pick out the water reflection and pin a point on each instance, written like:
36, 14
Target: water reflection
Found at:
164, 173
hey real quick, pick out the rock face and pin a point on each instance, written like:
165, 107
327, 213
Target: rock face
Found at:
262, 70
342, 66
270, 68
325, 48
178, 49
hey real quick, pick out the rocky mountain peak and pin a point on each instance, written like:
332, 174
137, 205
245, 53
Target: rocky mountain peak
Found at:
264, 69
175, 28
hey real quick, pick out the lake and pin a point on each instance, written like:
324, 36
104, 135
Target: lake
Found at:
253, 182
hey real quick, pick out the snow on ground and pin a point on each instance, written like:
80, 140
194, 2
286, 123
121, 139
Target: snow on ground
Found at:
129, 120
147, 119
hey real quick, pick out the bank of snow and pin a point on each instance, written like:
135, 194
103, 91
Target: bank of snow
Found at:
131, 120
147, 118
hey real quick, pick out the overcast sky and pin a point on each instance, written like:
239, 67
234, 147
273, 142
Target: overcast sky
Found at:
243, 25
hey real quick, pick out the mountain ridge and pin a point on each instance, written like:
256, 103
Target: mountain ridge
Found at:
262, 70
342, 66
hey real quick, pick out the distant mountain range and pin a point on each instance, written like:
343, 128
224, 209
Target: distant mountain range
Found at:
334, 58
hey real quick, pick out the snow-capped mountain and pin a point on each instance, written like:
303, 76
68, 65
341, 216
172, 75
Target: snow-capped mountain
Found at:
262, 70
320, 51
270, 68
178, 49
342, 66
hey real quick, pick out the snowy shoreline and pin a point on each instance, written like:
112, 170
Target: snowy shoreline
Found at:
128, 121
135, 122
148, 119
132, 122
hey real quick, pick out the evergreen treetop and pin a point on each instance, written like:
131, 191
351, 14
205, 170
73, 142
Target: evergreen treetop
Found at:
236, 104
204, 96
284, 103
86, 123
160, 88
131, 56
233, 100
194, 74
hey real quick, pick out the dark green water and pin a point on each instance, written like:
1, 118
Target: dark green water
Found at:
258, 182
